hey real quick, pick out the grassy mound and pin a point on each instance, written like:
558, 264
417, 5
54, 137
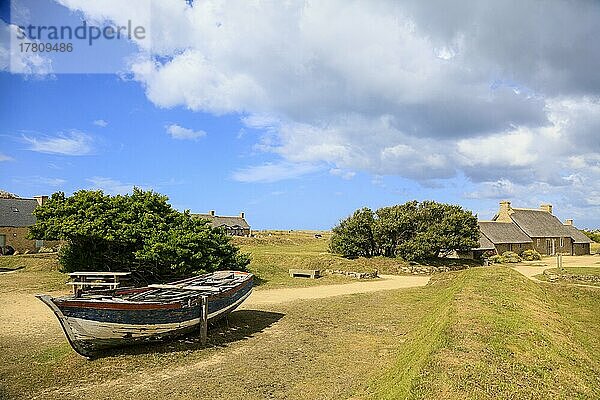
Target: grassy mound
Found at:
495, 334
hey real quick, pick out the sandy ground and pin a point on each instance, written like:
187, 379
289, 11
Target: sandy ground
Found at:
387, 282
39, 320
538, 267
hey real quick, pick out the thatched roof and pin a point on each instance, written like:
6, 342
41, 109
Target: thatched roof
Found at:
229, 222
577, 235
17, 212
538, 223
503, 232
484, 243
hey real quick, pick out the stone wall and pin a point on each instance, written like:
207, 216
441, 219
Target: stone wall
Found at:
553, 277
358, 275
539, 245
17, 239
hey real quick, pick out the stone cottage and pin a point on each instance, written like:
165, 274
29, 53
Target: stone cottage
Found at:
519, 229
234, 226
16, 216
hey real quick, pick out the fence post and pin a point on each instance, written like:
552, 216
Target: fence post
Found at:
559, 263
203, 320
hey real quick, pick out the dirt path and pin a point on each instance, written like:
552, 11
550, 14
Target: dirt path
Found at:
387, 282
530, 271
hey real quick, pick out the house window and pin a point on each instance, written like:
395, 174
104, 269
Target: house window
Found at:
39, 244
562, 242
510, 247
538, 242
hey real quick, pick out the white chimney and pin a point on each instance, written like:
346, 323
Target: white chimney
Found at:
212, 213
41, 200
546, 207
569, 222
242, 215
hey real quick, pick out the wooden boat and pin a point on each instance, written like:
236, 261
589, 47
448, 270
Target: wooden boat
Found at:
97, 320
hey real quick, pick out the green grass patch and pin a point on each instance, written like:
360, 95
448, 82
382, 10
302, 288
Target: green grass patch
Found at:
275, 252
503, 336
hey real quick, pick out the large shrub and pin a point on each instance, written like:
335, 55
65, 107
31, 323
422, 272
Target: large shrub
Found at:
353, 237
140, 232
413, 231
531, 255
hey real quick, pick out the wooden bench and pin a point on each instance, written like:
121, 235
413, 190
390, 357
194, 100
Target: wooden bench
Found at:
84, 280
305, 273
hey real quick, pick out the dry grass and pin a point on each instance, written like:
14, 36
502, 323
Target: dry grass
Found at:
483, 333
275, 252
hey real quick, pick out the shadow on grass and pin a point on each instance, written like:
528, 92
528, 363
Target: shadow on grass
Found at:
257, 281
238, 325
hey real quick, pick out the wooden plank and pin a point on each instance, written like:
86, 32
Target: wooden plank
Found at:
309, 273
204, 320
115, 284
99, 273
196, 288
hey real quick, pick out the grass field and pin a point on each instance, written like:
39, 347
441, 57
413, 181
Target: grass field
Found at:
482, 333
274, 253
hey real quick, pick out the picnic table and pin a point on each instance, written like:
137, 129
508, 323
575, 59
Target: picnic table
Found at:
83, 280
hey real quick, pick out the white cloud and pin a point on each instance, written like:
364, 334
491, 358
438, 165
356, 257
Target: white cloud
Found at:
267, 173
179, 132
73, 143
422, 90
51, 181
342, 173
109, 185
13, 60
4, 157
101, 123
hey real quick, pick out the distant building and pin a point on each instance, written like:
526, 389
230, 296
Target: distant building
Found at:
16, 216
519, 229
234, 226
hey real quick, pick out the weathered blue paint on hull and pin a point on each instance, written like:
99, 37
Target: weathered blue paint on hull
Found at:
92, 326
158, 316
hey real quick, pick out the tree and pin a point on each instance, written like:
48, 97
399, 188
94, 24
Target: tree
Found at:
353, 237
394, 225
140, 232
413, 231
440, 229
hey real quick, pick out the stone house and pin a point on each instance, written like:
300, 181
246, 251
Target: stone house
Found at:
16, 216
234, 226
519, 229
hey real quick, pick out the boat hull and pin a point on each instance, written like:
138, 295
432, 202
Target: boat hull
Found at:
92, 327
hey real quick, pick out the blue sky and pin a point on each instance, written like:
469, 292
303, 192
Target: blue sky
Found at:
298, 118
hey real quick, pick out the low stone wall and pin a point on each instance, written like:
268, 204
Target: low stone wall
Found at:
552, 277
358, 275
429, 269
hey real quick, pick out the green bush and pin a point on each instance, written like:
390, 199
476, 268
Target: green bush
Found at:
510, 257
506, 258
593, 234
495, 259
412, 231
531, 255
139, 232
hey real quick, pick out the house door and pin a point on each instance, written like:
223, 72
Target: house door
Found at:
550, 247
2, 242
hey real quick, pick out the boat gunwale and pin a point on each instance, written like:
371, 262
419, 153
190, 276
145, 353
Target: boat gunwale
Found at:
124, 304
